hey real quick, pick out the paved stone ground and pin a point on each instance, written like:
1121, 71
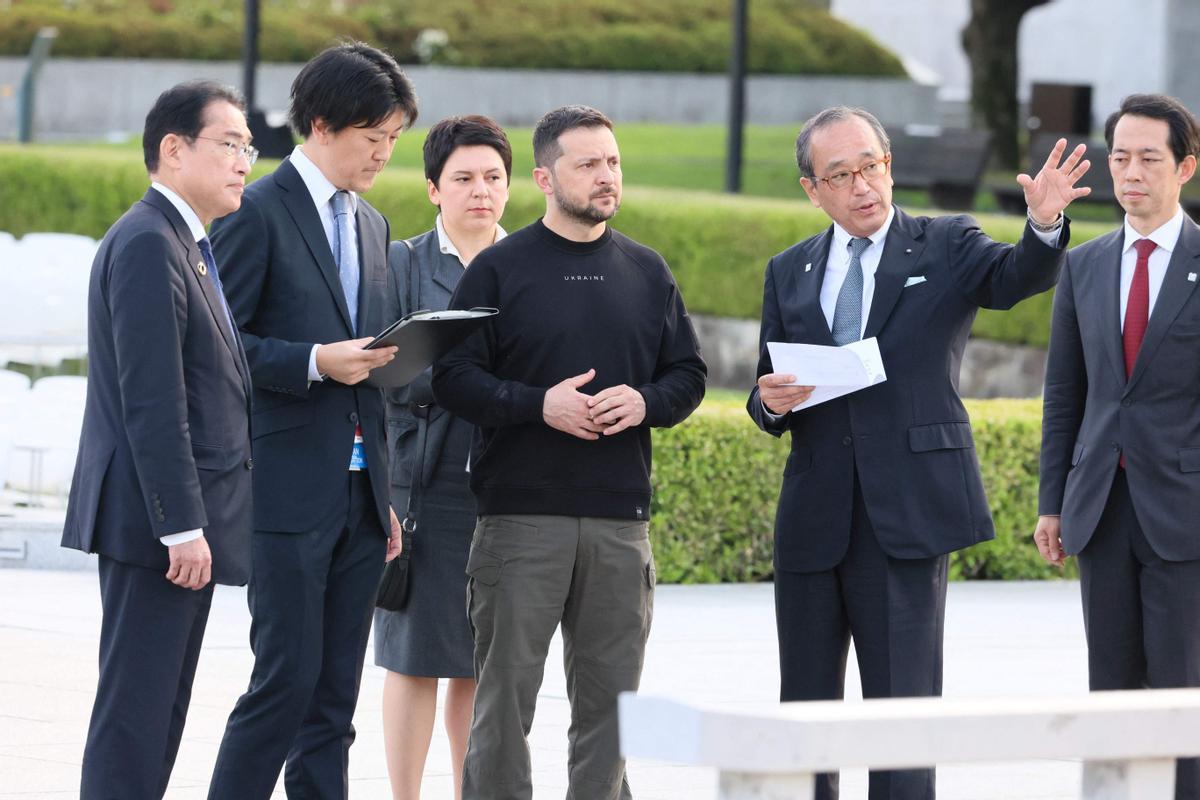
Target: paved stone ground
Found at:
712, 643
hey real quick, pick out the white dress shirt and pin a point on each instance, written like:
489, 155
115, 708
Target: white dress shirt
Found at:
322, 191
447, 247
1166, 237
197, 230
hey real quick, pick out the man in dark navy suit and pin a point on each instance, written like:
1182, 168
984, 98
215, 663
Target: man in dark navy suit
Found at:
882, 484
1120, 467
308, 284
162, 481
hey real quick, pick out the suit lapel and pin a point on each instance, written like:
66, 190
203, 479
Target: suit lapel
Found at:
809, 274
901, 250
199, 273
448, 273
299, 204
1109, 280
1176, 290
372, 256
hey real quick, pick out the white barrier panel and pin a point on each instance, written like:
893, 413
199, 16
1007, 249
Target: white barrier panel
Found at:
1128, 740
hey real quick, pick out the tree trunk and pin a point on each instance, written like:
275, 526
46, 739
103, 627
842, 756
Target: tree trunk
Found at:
990, 42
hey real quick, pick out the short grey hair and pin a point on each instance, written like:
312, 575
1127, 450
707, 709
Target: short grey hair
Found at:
824, 119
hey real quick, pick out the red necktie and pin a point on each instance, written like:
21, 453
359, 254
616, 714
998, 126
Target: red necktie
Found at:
1137, 308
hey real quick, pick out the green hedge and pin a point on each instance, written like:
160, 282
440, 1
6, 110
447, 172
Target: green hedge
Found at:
716, 244
673, 35
717, 477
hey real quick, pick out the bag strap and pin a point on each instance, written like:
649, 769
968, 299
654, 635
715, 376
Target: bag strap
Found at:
412, 266
409, 523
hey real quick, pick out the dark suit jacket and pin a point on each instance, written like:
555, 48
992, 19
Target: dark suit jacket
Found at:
1092, 413
283, 288
165, 445
434, 275
908, 438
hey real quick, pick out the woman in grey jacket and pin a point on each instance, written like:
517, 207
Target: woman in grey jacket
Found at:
468, 162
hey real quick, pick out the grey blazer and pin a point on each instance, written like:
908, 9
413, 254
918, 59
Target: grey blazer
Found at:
1092, 414
434, 276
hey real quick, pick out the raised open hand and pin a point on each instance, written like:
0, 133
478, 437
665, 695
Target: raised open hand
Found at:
1053, 188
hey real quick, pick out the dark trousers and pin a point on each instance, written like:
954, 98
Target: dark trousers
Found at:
149, 644
894, 609
1141, 614
311, 598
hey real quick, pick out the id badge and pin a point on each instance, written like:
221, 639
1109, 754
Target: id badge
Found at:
358, 456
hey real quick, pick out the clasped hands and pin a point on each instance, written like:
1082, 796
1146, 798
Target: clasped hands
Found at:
589, 417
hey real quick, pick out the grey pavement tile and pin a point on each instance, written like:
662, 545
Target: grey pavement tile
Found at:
714, 644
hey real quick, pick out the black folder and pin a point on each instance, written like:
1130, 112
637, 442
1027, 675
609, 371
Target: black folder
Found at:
422, 338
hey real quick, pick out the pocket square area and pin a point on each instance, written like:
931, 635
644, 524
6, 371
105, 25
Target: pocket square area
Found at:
914, 280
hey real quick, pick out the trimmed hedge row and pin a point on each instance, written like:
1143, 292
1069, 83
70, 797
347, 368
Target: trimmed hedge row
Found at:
717, 478
717, 245
673, 35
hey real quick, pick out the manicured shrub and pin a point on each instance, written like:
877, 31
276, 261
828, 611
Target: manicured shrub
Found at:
717, 244
785, 36
717, 479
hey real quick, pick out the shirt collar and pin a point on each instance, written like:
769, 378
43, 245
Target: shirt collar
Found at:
841, 237
185, 211
447, 247
320, 187
1165, 236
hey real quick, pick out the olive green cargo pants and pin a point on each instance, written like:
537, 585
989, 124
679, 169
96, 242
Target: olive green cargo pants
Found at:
527, 574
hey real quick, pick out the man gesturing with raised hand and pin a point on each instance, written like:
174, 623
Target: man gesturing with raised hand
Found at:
592, 348
882, 484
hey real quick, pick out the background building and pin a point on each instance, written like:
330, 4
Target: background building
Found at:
1119, 47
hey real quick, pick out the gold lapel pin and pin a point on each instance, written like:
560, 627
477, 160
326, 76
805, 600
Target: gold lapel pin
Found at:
201, 268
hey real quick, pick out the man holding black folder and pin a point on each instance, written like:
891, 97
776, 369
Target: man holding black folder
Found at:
307, 281
592, 347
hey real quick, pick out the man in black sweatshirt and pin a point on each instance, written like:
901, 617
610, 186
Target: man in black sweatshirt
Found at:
592, 348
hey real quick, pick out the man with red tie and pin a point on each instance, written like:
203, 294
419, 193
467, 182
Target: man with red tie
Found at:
1120, 465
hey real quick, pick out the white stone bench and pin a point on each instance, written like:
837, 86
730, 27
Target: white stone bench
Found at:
1128, 741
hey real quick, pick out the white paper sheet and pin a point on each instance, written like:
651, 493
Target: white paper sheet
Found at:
834, 371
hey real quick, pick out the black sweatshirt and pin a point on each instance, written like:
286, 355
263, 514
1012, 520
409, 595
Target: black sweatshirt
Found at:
567, 307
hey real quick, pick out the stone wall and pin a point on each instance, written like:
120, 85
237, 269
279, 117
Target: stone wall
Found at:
98, 97
989, 369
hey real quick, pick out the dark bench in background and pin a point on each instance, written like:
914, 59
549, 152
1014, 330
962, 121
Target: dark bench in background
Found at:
1011, 198
948, 164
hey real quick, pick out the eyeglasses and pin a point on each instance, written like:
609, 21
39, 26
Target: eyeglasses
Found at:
869, 172
233, 149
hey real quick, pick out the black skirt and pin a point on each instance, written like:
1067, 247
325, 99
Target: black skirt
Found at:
431, 637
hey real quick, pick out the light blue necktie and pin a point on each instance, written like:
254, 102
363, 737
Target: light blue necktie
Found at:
847, 314
345, 253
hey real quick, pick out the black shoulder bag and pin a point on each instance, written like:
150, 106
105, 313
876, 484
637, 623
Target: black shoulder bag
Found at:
393, 585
